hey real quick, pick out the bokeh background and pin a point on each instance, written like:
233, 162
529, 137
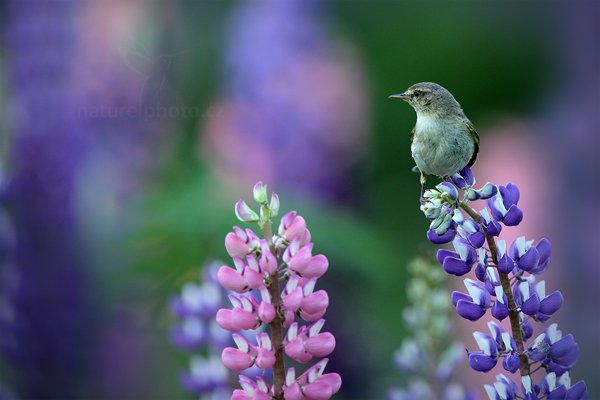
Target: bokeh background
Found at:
130, 128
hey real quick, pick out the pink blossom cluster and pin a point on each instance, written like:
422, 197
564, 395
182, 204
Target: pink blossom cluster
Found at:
274, 281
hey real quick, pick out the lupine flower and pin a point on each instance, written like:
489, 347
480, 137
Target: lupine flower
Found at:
198, 333
497, 269
285, 118
47, 337
427, 318
263, 264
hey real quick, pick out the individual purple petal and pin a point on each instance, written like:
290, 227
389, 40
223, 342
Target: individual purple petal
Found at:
558, 369
469, 310
531, 305
511, 194
456, 296
443, 253
541, 317
478, 293
551, 303
527, 329
494, 228
577, 392
480, 362
499, 310
456, 266
513, 216
480, 272
465, 250
495, 205
505, 264
476, 239
565, 351
447, 237
537, 354
529, 260
560, 393
511, 363
544, 249
463, 178
489, 286
468, 176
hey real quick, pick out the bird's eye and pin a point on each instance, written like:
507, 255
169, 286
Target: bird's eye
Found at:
417, 93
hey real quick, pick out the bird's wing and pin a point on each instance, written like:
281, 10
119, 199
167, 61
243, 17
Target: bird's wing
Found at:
475, 137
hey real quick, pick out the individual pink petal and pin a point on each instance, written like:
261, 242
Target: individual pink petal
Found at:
301, 259
316, 267
286, 220
320, 345
243, 319
244, 213
295, 350
311, 317
296, 229
334, 380
288, 318
292, 392
305, 238
230, 279
265, 359
236, 359
235, 246
239, 394
253, 278
266, 312
316, 302
292, 300
268, 263
318, 390
225, 320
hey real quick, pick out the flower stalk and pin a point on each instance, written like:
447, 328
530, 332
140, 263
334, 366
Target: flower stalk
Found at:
507, 286
281, 269
513, 313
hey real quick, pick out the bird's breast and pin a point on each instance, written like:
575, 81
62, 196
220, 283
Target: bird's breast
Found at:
440, 147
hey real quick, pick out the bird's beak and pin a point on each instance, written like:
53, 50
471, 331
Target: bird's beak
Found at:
402, 96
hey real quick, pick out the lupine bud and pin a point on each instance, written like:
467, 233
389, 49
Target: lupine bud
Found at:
244, 213
260, 193
274, 204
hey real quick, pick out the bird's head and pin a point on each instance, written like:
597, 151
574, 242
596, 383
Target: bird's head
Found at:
429, 98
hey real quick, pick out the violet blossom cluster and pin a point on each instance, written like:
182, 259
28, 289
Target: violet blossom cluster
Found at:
283, 270
428, 357
507, 285
197, 332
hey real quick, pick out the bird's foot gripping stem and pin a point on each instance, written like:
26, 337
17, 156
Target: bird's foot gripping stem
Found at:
422, 179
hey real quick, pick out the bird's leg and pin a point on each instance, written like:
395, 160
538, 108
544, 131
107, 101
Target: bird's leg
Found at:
422, 180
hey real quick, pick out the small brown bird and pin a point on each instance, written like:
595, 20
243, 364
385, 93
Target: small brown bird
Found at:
444, 141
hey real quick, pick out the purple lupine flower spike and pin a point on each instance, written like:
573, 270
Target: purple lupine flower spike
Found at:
46, 340
506, 285
198, 333
260, 265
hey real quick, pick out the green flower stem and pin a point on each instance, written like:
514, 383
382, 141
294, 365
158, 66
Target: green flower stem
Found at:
513, 314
